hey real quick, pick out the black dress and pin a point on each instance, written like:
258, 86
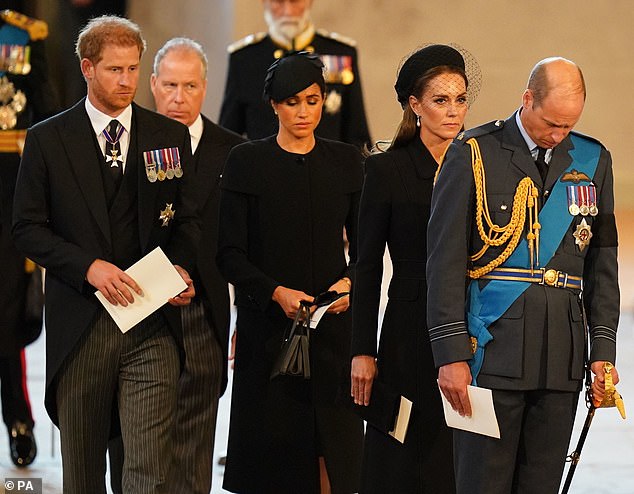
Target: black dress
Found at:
394, 211
281, 223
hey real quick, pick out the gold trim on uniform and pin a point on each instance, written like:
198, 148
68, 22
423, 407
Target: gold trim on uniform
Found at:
337, 37
12, 141
12, 103
36, 28
251, 39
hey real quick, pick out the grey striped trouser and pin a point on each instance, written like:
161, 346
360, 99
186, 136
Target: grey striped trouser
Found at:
136, 372
198, 393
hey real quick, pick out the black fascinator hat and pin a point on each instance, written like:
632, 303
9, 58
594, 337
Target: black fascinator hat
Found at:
293, 73
428, 57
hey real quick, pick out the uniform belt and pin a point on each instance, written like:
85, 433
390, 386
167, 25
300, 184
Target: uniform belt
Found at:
543, 276
12, 141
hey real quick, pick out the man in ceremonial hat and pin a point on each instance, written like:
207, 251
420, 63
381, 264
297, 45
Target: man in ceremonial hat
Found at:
290, 28
25, 98
539, 243
100, 186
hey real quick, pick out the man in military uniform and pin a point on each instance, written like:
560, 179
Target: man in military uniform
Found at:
537, 232
25, 98
243, 109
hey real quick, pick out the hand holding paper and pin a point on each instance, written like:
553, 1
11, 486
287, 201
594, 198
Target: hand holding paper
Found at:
115, 285
453, 379
158, 281
482, 420
185, 297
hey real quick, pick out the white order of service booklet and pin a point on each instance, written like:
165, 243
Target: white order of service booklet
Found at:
483, 419
159, 281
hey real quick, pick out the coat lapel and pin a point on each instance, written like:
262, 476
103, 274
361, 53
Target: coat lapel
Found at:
79, 143
144, 131
521, 158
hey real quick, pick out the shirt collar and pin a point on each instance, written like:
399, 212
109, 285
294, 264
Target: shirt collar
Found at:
532, 147
196, 132
100, 120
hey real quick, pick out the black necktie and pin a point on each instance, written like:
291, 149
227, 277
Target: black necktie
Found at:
542, 166
114, 160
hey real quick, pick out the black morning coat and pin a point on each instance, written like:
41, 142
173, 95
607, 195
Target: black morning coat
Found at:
208, 163
282, 217
61, 219
394, 211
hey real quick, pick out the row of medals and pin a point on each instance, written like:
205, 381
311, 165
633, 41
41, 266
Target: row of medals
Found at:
586, 195
166, 160
15, 59
171, 172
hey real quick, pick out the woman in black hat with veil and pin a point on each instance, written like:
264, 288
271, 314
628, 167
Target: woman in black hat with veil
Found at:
435, 86
285, 202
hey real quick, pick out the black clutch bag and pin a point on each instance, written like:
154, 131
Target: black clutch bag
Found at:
293, 359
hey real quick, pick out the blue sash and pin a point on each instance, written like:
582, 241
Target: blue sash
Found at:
489, 304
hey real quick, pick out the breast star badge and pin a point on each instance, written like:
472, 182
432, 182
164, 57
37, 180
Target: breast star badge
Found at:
167, 214
582, 235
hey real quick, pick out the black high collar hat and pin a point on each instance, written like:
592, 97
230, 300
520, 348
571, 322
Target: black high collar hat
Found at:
293, 73
420, 62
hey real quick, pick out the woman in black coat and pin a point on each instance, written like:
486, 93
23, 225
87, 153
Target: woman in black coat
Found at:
285, 203
434, 92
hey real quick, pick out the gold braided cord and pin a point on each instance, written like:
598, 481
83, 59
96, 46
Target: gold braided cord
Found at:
499, 235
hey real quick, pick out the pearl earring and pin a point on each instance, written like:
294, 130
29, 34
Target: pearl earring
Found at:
417, 120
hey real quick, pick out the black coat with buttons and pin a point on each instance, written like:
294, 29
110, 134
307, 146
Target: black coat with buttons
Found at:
394, 211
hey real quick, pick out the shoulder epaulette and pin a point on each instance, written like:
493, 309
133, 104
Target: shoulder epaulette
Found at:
584, 136
337, 37
483, 129
37, 29
251, 39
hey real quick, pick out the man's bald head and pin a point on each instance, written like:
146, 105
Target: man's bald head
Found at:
556, 75
553, 101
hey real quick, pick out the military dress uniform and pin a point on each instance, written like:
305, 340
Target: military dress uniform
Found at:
531, 352
244, 111
25, 98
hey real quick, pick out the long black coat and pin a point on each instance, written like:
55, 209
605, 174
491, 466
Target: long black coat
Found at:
208, 163
394, 210
60, 218
282, 217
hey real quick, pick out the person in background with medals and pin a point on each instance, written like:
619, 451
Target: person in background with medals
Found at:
435, 86
100, 186
26, 97
525, 207
284, 202
290, 28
